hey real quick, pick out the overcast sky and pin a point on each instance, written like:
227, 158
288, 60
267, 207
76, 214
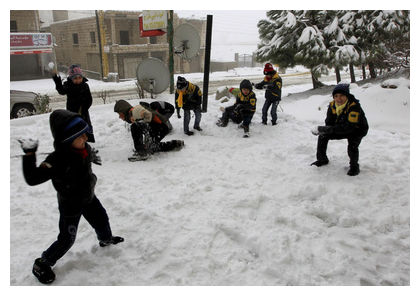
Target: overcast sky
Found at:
230, 26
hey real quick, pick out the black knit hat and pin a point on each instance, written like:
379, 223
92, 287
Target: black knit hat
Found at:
181, 82
342, 88
67, 126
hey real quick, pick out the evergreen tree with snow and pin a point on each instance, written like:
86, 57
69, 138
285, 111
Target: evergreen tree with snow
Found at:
322, 39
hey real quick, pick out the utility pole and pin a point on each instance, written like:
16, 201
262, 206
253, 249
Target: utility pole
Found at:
170, 37
101, 40
207, 62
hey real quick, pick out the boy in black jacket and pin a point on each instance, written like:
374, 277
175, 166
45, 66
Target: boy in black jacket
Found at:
273, 84
345, 120
188, 96
69, 168
79, 98
243, 110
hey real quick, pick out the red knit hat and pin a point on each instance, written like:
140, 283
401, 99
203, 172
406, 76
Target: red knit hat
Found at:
268, 69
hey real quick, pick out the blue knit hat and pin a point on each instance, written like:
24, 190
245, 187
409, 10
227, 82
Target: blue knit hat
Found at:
75, 128
342, 88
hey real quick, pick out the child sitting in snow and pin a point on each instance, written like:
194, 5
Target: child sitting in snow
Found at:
79, 98
69, 168
243, 110
345, 120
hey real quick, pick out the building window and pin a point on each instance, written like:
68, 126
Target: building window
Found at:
93, 37
13, 26
153, 40
75, 39
124, 38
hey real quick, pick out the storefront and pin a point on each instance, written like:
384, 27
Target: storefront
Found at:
30, 54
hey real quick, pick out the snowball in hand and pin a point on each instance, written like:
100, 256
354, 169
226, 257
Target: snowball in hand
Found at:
51, 65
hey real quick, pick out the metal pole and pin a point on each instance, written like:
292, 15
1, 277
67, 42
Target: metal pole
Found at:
99, 43
207, 62
171, 50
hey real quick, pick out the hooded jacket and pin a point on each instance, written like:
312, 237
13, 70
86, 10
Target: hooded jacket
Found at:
246, 103
352, 119
191, 98
69, 169
274, 85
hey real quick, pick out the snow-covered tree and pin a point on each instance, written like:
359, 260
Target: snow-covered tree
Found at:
320, 39
293, 37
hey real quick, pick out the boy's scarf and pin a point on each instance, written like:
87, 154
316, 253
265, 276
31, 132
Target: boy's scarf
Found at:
180, 101
339, 109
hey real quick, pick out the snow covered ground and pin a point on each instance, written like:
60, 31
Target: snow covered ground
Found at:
232, 211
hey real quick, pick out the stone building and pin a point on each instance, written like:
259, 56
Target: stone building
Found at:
76, 42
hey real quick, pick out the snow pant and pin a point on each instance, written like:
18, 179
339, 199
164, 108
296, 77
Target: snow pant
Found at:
273, 112
70, 214
237, 117
352, 147
147, 137
187, 118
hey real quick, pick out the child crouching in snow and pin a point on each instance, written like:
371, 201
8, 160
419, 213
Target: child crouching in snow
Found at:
345, 120
69, 168
243, 110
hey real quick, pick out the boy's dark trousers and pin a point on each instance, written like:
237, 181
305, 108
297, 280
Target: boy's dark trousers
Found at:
237, 117
352, 147
70, 214
187, 118
147, 137
273, 112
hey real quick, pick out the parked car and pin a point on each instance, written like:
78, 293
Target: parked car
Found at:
22, 103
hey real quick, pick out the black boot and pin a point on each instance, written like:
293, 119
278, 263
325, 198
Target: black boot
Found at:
139, 155
42, 270
198, 128
354, 170
321, 162
273, 122
112, 241
222, 123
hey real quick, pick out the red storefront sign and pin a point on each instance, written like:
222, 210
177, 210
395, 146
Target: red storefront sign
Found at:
30, 43
149, 33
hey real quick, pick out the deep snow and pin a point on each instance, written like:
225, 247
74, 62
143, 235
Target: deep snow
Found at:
232, 211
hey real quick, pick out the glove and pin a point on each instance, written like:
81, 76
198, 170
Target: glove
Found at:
96, 159
315, 131
28, 145
258, 85
323, 130
56, 78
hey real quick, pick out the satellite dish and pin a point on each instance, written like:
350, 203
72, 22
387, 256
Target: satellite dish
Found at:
186, 41
153, 75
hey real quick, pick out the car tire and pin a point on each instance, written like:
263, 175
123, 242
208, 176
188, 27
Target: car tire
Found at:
22, 110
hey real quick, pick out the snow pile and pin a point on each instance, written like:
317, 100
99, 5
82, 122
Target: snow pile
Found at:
232, 211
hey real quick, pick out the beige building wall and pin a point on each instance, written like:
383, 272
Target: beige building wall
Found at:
25, 20
122, 58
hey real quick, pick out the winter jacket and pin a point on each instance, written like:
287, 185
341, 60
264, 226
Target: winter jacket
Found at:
79, 98
246, 103
274, 85
191, 99
352, 119
138, 112
164, 108
157, 122
69, 169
